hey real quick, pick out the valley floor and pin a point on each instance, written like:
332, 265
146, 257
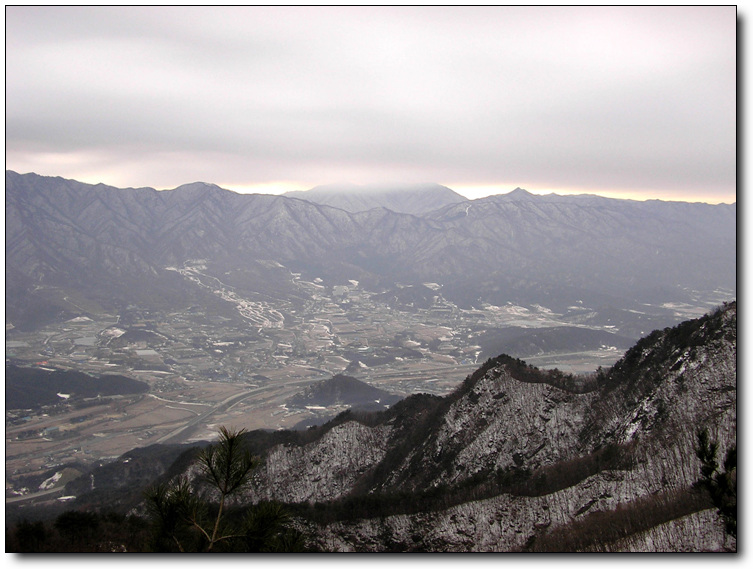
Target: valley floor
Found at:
239, 368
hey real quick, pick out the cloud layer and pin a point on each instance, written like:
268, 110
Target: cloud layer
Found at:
633, 100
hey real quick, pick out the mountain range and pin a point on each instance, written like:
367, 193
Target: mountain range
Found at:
73, 246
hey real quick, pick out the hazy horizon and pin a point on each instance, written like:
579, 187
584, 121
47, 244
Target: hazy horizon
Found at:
633, 102
471, 193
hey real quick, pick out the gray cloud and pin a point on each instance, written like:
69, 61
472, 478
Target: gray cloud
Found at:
596, 99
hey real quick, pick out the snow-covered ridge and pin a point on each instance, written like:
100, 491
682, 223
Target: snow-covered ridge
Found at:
499, 423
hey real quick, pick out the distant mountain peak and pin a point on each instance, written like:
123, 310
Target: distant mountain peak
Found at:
520, 194
198, 186
415, 199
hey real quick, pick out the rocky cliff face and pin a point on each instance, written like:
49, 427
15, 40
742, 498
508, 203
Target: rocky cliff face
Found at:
510, 462
326, 469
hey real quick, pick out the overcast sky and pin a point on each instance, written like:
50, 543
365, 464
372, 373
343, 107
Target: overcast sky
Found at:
621, 101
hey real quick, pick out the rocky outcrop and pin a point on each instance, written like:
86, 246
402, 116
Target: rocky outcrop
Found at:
323, 470
503, 422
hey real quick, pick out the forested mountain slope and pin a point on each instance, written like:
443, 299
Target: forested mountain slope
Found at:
111, 247
518, 458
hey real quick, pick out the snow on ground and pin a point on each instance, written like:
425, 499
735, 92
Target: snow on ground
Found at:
50, 482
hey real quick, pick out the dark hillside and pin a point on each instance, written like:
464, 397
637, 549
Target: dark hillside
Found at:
526, 342
31, 388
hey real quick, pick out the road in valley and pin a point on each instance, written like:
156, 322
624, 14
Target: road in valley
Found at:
226, 404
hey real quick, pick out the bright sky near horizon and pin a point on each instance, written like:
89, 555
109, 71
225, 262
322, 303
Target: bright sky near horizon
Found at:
632, 102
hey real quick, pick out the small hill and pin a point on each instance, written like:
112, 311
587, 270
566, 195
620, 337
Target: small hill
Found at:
344, 390
415, 199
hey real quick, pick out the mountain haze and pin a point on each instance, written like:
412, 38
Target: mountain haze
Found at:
416, 199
